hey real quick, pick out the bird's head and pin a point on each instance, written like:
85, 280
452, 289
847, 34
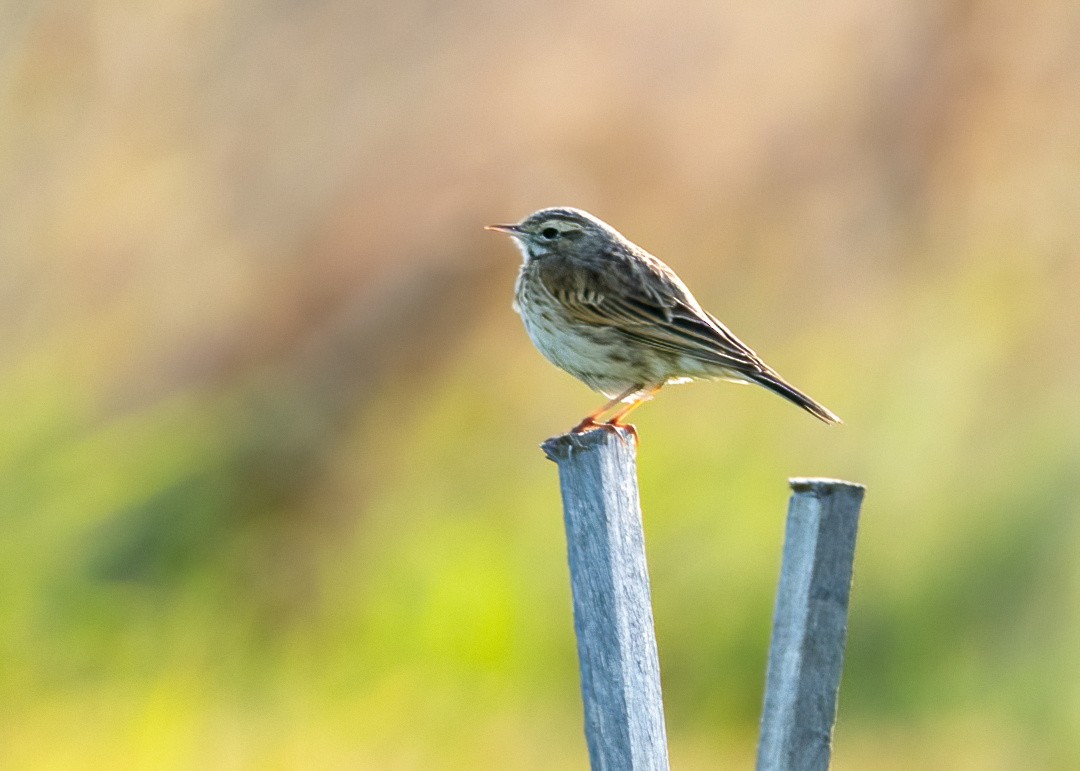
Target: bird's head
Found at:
560, 230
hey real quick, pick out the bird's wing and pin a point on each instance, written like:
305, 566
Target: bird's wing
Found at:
649, 304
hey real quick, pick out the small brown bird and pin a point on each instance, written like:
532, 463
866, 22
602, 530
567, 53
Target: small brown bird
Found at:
620, 320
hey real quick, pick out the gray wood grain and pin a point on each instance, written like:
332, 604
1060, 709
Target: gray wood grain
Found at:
806, 656
620, 672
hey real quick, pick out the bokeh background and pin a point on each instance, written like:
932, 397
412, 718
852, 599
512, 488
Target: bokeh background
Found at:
271, 493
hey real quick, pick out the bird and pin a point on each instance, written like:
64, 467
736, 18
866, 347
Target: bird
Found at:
603, 309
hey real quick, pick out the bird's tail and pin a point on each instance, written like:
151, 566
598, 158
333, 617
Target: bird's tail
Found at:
778, 385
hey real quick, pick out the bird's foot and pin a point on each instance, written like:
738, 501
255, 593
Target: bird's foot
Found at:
618, 428
586, 425
611, 426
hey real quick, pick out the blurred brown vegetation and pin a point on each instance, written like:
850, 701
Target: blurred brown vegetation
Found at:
271, 492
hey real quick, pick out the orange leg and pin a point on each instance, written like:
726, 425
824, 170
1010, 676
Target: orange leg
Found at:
590, 423
616, 420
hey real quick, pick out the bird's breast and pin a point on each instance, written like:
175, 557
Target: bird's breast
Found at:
598, 355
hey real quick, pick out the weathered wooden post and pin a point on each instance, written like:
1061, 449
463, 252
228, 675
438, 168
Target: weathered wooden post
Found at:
620, 672
806, 656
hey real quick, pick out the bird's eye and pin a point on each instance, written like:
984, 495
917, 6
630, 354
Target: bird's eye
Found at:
549, 233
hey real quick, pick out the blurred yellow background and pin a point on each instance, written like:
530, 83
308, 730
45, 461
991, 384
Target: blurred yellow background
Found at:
271, 492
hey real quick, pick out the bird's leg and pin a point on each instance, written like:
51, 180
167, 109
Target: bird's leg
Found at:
616, 420
590, 423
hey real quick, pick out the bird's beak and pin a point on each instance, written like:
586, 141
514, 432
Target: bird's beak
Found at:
513, 230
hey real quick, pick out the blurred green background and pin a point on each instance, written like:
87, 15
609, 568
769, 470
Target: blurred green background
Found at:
271, 492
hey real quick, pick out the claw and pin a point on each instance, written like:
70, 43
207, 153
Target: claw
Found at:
618, 428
